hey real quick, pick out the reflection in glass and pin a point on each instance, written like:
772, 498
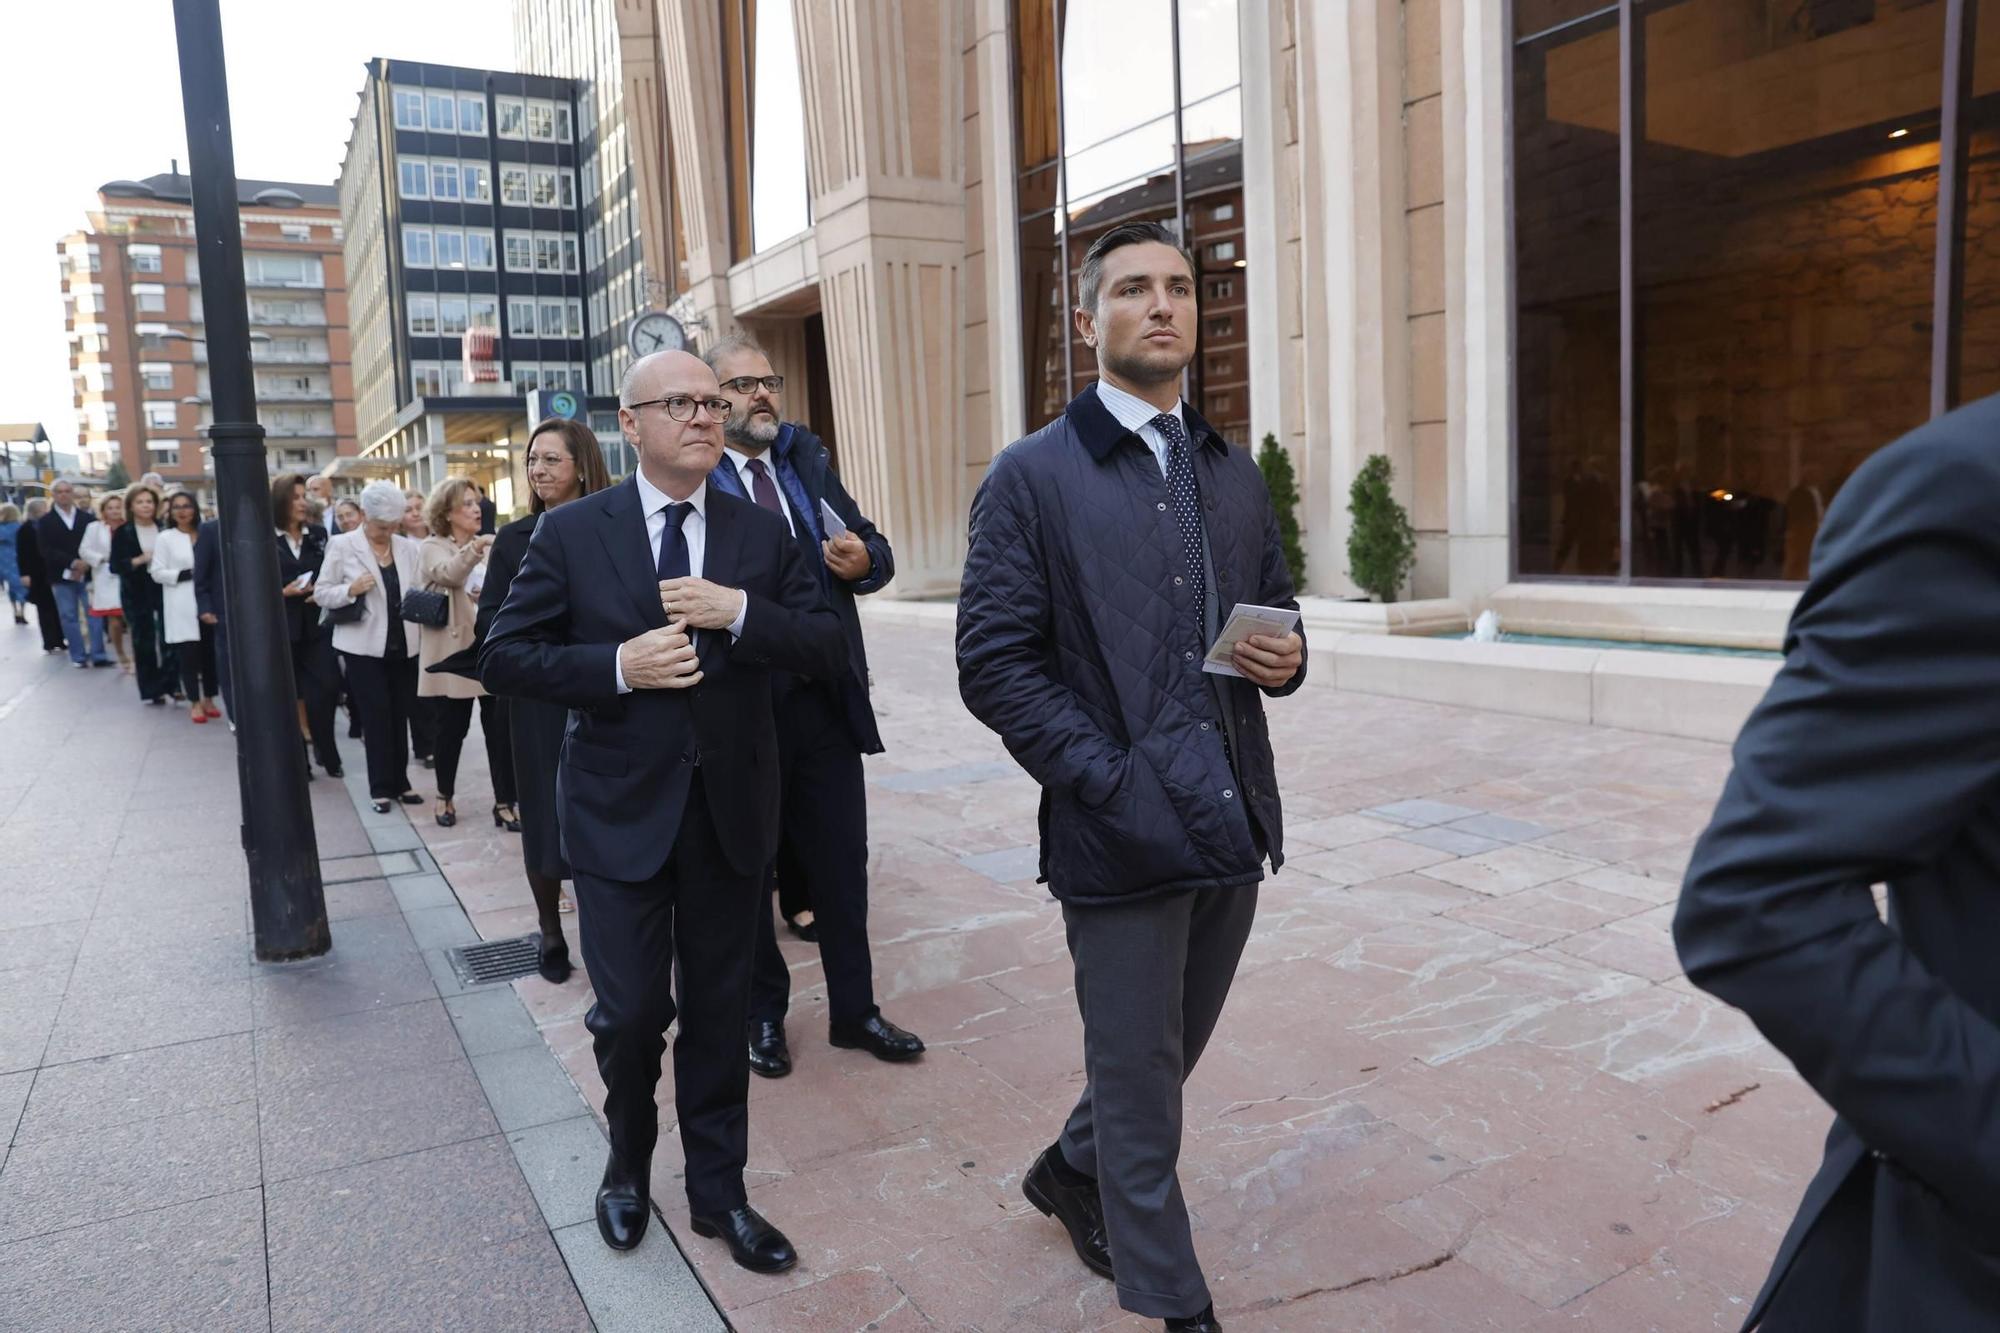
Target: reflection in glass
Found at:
1979, 339
1117, 96
1566, 289
778, 206
1784, 231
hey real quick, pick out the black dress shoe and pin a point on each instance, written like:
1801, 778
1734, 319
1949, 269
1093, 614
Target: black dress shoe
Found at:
1205, 1322
879, 1037
769, 1055
622, 1203
809, 932
1077, 1207
335, 771
553, 961
753, 1243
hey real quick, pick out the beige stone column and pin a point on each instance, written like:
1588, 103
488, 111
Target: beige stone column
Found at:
995, 412
691, 55
1268, 40
884, 146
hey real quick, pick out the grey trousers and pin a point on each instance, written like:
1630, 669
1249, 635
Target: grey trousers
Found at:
1151, 977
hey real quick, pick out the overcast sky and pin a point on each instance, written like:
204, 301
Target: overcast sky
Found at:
94, 95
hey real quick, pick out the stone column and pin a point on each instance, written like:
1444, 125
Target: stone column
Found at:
885, 154
691, 56
645, 122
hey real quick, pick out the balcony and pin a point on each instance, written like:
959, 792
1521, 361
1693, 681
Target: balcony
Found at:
265, 355
284, 284
287, 319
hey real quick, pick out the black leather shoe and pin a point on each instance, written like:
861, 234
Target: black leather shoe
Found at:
1077, 1207
753, 1243
809, 932
553, 961
622, 1203
769, 1055
1205, 1322
879, 1037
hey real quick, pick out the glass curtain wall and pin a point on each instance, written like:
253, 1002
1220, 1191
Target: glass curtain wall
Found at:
764, 108
1729, 291
1126, 112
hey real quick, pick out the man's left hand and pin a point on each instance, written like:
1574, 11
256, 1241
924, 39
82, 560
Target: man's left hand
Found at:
703, 605
1269, 660
847, 556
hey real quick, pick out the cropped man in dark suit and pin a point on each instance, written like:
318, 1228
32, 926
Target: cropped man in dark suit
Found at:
59, 539
824, 726
212, 603
1875, 758
657, 611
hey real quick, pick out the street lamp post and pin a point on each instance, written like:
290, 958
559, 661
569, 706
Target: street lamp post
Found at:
287, 902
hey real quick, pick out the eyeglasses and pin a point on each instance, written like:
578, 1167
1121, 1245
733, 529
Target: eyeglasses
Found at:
680, 407
747, 384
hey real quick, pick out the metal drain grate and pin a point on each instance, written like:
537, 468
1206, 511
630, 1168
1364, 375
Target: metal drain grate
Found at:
496, 960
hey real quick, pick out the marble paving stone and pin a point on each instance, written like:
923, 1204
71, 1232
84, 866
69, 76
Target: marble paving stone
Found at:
1509, 870
1421, 814
491, 1020
362, 897
1642, 945
563, 1162
1548, 912
1500, 828
526, 1087
1448, 838
134, 1019
325, 1125
1363, 861
53, 945
1008, 866
187, 1268
348, 1048
856, 1299
640, 1291
940, 779
139, 1085
1335, 832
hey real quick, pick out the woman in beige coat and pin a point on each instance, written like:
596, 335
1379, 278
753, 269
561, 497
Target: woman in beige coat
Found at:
451, 555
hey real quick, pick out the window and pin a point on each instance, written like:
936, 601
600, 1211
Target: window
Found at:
510, 117
1222, 251
162, 416
95, 377
552, 319
544, 195
471, 115
166, 453
527, 379
423, 316
454, 378
409, 109
1221, 327
548, 252
444, 180
541, 121
443, 113
573, 318
569, 254
145, 258
514, 186
1221, 289
295, 231
417, 247
482, 312
555, 377
283, 271
450, 247
413, 180
157, 375
149, 298
451, 315
576, 376
566, 195
479, 249
520, 317
520, 246
426, 377
478, 184
1222, 213
562, 123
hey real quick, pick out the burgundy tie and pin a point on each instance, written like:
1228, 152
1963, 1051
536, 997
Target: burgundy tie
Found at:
761, 488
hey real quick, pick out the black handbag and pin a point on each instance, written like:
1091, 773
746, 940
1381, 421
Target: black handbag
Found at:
343, 615
426, 606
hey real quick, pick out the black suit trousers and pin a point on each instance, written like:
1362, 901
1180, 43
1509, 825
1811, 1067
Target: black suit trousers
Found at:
823, 848
316, 676
696, 917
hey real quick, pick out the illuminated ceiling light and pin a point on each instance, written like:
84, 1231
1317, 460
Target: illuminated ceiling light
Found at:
1242, 263
1899, 134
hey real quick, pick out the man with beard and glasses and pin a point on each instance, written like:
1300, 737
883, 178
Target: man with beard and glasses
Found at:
824, 726
1106, 550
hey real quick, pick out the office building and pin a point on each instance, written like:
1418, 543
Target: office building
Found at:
132, 303
460, 193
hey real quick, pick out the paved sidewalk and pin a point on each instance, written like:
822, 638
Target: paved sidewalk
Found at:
193, 1140
1460, 1084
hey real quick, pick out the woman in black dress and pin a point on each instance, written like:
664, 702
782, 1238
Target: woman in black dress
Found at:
315, 669
36, 575
564, 464
140, 597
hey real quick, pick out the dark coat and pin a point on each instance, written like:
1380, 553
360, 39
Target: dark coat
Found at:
818, 481
136, 589
1081, 645
301, 616
586, 586
534, 728
209, 598
1875, 757
57, 542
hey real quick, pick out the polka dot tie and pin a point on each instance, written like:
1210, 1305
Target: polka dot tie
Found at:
1187, 508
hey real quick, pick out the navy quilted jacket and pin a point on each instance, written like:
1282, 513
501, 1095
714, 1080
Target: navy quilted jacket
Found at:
1079, 642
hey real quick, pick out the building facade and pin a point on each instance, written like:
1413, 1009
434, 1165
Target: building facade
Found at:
132, 303
460, 191
1624, 293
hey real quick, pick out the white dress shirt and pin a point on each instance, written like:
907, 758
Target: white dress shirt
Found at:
741, 462
1136, 415
653, 503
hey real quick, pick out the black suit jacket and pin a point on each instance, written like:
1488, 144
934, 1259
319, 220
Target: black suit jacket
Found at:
586, 585
1876, 758
137, 591
808, 457
301, 616
209, 599
58, 542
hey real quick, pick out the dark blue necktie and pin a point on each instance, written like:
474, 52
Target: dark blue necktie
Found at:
673, 543
1182, 491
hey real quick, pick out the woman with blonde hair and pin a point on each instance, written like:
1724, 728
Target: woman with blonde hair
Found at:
132, 549
451, 555
106, 588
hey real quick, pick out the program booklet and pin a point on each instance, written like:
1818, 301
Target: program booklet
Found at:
1243, 622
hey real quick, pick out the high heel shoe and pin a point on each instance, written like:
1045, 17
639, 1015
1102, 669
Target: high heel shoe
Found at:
381, 807
511, 821
447, 814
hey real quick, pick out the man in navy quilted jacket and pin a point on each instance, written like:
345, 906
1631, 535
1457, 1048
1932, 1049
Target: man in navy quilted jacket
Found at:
1106, 551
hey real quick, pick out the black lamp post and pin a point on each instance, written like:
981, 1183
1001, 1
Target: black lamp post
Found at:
287, 903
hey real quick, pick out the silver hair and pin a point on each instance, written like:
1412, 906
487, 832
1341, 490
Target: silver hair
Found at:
628, 383
730, 345
383, 502
38, 506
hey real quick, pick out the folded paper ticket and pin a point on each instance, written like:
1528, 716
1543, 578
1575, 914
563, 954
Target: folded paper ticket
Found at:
1245, 621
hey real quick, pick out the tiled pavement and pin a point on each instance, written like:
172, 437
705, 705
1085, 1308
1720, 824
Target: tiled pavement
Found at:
1460, 1083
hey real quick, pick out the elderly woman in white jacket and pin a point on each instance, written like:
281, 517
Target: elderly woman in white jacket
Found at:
373, 566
